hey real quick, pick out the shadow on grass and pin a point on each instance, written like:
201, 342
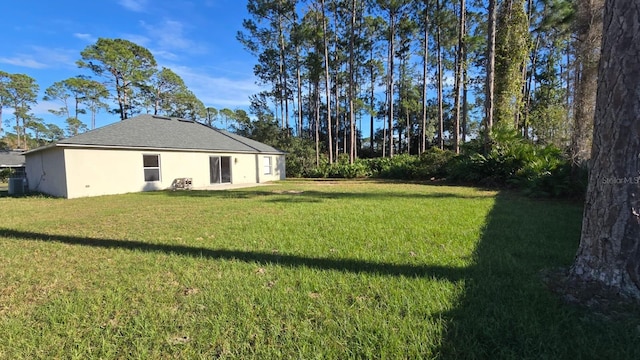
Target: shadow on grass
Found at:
506, 310
337, 264
4, 192
311, 195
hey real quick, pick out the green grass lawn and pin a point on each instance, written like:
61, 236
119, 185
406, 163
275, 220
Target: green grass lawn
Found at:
301, 269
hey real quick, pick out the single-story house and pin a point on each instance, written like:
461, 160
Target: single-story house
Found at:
14, 160
149, 152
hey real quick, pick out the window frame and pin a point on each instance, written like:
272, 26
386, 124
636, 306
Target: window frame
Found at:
221, 171
267, 165
157, 168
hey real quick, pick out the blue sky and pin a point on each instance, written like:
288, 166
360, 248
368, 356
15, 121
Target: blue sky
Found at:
196, 39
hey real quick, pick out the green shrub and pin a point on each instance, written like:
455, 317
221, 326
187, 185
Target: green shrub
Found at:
403, 167
378, 165
512, 162
5, 174
433, 163
343, 169
537, 170
551, 174
300, 158
494, 169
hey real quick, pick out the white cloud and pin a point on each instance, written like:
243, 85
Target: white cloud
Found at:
137, 39
86, 37
134, 5
167, 55
56, 56
218, 91
24, 61
43, 107
170, 35
43, 58
39, 109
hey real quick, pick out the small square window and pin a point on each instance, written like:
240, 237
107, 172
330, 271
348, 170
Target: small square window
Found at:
151, 161
151, 166
151, 175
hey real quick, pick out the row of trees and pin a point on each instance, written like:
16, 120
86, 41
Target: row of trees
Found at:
77, 96
126, 81
434, 72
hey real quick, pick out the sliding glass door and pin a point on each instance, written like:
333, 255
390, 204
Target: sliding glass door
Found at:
220, 169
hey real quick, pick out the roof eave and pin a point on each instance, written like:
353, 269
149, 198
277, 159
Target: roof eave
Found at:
41, 148
148, 148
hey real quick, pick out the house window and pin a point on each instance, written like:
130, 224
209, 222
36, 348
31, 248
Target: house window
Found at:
151, 165
267, 165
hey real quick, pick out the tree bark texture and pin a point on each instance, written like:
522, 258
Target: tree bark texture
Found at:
460, 65
327, 82
352, 119
439, 65
491, 65
391, 56
372, 100
589, 37
609, 251
425, 74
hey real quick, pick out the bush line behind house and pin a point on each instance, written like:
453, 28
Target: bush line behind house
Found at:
5, 174
513, 162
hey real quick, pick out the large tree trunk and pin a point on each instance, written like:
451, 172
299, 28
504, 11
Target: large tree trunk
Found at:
391, 56
298, 51
589, 34
282, 77
439, 80
352, 119
465, 101
440, 107
609, 252
528, 87
425, 89
18, 132
372, 104
512, 42
327, 82
408, 117
337, 68
299, 85
459, 68
316, 97
491, 67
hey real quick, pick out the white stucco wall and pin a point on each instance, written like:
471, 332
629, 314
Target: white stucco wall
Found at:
46, 172
92, 172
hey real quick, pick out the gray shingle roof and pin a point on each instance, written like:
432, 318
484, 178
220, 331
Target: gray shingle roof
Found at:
11, 158
159, 132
